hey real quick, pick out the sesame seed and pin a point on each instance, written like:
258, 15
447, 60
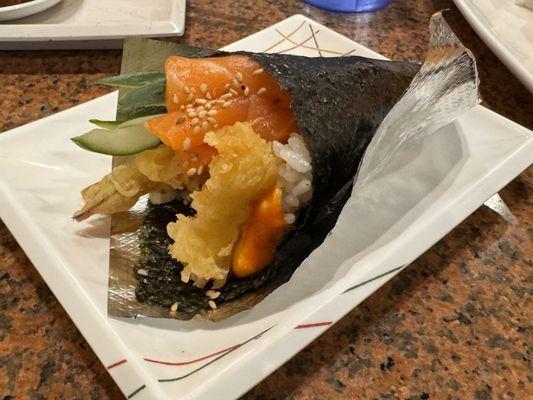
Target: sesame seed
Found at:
212, 294
212, 113
226, 96
192, 114
200, 108
226, 87
196, 130
200, 170
200, 101
190, 97
208, 95
208, 106
258, 71
234, 82
211, 121
226, 104
238, 76
205, 125
212, 304
202, 114
142, 272
261, 91
194, 121
234, 92
246, 92
186, 144
203, 88
191, 172
219, 102
186, 88
180, 119
176, 98
194, 159
174, 307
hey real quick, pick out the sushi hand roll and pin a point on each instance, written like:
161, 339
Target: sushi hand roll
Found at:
230, 139
247, 159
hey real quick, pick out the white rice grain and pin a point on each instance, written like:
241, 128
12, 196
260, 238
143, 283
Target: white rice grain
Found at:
295, 175
303, 186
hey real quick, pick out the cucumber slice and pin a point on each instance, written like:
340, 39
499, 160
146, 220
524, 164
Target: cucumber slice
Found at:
117, 124
121, 141
137, 121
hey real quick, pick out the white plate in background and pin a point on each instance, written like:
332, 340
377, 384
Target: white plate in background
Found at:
25, 9
424, 194
507, 29
94, 24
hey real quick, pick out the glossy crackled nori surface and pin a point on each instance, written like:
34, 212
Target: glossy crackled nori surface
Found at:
163, 285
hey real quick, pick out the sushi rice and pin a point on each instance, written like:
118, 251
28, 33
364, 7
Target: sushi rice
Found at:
295, 175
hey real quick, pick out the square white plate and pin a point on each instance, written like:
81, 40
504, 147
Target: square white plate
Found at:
507, 29
421, 196
94, 24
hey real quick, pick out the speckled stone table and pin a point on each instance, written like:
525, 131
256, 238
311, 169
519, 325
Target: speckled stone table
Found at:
456, 324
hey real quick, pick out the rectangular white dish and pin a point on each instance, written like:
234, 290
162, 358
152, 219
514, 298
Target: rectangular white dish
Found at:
507, 28
422, 195
94, 24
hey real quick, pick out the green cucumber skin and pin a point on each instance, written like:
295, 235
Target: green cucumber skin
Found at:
110, 125
119, 141
104, 124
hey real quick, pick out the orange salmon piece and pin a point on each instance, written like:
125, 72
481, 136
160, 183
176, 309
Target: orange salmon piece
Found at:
176, 127
181, 132
189, 79
198, 157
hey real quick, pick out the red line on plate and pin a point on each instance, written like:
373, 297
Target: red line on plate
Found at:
116, 364
192, 361
313, 325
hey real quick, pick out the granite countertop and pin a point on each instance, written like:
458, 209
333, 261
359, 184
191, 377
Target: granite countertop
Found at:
455, 325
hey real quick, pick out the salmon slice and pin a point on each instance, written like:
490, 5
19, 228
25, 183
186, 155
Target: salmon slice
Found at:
196, 158
183, 131
189, 79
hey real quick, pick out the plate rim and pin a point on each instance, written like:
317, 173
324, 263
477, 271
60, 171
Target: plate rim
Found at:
491, 39
173, 26
27, 4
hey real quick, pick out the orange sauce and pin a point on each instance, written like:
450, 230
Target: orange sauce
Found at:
260, 236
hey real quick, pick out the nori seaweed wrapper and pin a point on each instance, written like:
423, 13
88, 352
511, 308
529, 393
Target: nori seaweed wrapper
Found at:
338, 104
163, 285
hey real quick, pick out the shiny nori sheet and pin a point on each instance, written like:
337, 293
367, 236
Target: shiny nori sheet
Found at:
338, 104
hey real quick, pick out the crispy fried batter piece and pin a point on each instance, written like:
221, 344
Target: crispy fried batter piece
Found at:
152, 170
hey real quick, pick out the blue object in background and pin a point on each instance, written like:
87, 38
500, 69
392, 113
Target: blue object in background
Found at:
349, 5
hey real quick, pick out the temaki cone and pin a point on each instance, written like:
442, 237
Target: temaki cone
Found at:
338, 105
